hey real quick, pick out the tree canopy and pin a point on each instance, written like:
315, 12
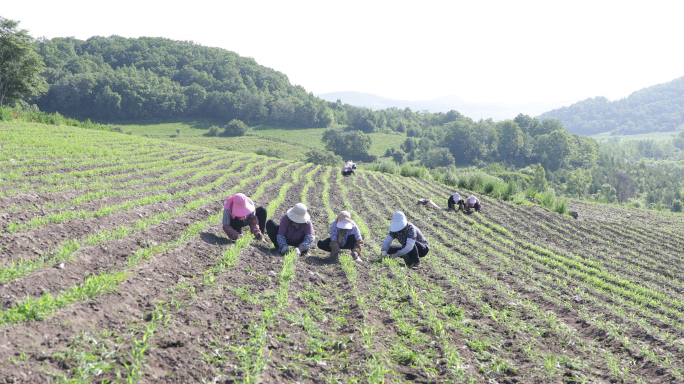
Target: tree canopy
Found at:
20, 65
116, 78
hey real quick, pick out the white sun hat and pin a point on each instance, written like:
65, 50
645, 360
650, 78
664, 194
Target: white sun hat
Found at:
398, 221
344, 220
298, 214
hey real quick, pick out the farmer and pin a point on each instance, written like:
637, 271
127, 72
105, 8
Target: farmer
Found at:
295, 229
239, 211
351, 164
413, 243
472, 202
347, 170
455, 199
344, 234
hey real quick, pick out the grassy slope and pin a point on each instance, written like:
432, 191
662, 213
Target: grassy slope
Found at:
295, 142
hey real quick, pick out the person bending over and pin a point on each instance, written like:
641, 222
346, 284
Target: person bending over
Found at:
239, 211
413, 243
295, 229
344, 234
454, 200
472, 202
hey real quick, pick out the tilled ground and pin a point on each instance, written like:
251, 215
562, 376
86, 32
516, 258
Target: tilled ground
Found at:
514, 294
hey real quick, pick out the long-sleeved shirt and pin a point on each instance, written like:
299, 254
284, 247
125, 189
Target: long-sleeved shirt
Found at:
291, 231
336, 232
470, 202
407, 237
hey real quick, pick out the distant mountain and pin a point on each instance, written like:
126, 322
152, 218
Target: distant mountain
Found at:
653, 109
476, 111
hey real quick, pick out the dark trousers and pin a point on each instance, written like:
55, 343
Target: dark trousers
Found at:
451, 203
325, 244
413, 256
260, 213
347, 173
272, 232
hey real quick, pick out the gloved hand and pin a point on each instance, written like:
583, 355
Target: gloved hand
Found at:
298, 252
283, 250
383, 254
259, 237
355, 257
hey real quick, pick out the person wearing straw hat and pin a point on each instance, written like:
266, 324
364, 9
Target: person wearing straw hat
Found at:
238, 211
295, 229
344, 234
413, 243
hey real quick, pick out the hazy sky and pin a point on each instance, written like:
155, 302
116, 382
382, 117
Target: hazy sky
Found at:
491, 51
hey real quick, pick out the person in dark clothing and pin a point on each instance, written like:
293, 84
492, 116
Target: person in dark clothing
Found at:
344, 234
347, 170
239, 211
295, 229
454, 200
413, 243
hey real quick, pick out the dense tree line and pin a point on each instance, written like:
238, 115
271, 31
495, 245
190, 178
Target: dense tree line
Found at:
116, 78
653, 109
520, 142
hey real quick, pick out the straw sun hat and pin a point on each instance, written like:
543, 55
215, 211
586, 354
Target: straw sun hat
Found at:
298, 214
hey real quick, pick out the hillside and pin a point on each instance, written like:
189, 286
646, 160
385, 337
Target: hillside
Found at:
121, 79
476, 111
659, 108
115, 268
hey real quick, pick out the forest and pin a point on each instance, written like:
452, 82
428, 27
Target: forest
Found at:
659, 108
116, 79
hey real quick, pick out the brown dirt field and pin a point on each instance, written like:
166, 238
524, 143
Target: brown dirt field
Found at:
515, 294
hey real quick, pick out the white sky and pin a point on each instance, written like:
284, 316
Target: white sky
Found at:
489, 51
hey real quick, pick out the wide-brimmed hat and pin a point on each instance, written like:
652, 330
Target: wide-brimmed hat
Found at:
344, 220
242, 205
298, 214
398, 221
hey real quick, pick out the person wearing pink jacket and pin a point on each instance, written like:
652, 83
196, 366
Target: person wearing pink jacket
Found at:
239, 211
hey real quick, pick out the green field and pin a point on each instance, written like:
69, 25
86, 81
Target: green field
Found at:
294, 142
658, 136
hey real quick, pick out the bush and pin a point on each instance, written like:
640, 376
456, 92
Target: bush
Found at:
316, 156
489, 187
213, 131
419, 172
384, 167
546, 199
235, 128
676, 206
507, 190
271, 152
560, 207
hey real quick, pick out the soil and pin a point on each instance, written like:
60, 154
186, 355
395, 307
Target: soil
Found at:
512, 267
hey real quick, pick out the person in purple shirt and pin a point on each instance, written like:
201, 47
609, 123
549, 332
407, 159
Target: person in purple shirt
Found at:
295, 229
